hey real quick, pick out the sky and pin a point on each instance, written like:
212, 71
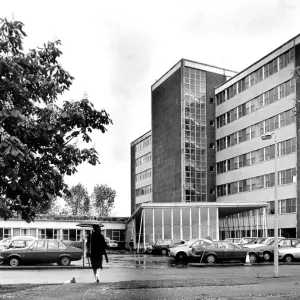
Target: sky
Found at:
117, 49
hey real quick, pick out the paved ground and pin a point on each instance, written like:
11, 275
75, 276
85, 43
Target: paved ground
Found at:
146, 277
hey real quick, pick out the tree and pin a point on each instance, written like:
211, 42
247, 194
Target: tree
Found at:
78, 200
103, 199
36, 150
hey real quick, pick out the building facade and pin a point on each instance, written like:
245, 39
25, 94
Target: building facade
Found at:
261, 100
183, 135
63, 227
141, 171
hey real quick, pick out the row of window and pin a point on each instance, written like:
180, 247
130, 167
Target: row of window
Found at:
255, 183
267, 98
285, 206
275, 122
143, 159
143, 175
254, 157
143, 190
260, 74
144, 143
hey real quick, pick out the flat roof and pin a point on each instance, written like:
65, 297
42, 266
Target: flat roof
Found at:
195, 65
225, 208
265, 56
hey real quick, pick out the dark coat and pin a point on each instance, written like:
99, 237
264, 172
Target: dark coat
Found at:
96, 246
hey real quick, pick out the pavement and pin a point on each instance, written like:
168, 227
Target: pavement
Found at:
146, 277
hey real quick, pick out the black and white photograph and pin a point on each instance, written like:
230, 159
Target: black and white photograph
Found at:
149, 150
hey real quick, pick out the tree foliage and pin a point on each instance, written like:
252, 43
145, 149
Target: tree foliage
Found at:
103, 199
78, 200
35, 134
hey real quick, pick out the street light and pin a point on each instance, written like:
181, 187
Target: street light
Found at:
268, 137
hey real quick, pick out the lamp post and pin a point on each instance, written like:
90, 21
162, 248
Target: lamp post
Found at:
268, 137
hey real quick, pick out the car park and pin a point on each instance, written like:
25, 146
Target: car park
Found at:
182, 252
223, 251
41, 251
268, 251
163, 246
289, 254
260, 242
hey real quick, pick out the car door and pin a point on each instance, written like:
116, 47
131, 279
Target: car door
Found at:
232, 251
37, 251
53, 251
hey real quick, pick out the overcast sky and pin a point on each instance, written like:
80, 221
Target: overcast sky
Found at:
117, 49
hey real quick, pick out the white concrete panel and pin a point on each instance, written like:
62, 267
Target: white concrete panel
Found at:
283, 163
143, 152
256, 90
143, 167
284, 133
285, 221
144, 198
143, 183
262, 195
256, 66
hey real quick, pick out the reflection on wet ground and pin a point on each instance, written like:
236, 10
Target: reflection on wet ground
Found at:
147, 262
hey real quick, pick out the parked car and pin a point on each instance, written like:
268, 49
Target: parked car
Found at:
3, 243
289, 254
232, 240
76, 244
265, 241
112, 244
182, 252
18, 242
268, 251
41, 251
221, 250
163, 246
247, 240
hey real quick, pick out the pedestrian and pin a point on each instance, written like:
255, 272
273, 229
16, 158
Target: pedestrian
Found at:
96, 248
131, 244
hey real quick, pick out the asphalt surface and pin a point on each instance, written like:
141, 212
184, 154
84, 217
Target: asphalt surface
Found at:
149, 277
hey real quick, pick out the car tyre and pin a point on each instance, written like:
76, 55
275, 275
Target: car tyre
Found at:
14, 261
164, 251
288, 258
181, 256
267, 256
252, 258
211, 259
64, 261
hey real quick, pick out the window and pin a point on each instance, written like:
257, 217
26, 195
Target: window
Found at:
282, 119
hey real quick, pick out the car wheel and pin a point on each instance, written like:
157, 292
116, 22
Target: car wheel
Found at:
64, 261
288, 258
253, 258
164, 251
14, 261
181, 256
211, 259
267, 256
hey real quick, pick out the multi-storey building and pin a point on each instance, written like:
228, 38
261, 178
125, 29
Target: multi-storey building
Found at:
260, 100
141, 171
183, 153
183, 134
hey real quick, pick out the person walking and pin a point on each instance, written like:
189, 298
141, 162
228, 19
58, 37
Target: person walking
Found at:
96, 248
131, 244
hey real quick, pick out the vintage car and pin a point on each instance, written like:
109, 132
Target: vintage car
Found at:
182, 252
41, 251
289, 254
163, 246
17, 242
223, 251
